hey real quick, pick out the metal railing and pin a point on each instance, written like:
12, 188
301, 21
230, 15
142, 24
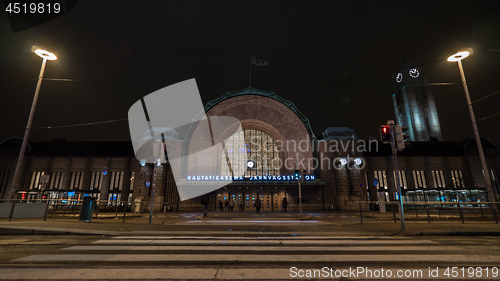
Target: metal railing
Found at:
430, 210
72, 207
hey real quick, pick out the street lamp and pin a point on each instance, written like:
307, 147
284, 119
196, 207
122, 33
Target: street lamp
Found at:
458, 57
45, 55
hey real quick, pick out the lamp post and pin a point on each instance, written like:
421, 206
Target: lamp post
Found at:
156, 163
458, 57
45, 55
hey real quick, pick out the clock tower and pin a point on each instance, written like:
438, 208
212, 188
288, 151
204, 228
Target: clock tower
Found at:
414, 104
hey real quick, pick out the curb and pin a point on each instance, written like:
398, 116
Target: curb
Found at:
256, 219
455, 233
35, 231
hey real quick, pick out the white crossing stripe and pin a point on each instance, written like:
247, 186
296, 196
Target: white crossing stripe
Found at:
222, 247
259, 242
267, 238
488, 259
122, 257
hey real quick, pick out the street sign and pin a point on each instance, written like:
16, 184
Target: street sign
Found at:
375, 181
361, 185
105, 170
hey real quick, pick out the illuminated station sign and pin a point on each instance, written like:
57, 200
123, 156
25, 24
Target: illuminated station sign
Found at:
252, 178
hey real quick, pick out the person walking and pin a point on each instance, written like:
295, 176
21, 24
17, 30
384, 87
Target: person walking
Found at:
240, 204
258, 204
220, 206
226, 205
231, 204
205, 201
284, 203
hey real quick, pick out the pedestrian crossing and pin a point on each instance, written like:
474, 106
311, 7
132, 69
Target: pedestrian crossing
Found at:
245, 258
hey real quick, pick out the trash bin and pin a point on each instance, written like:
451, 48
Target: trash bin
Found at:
88, 207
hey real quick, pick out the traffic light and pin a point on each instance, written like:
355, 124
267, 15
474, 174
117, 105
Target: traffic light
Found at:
400, 137
386, 133
296, 173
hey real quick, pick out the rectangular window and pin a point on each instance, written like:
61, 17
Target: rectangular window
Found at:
381, 176
35, 180
458, 179
76, 180
402, 177
56, 179
96, 180
419, 177
438, 177
116, 181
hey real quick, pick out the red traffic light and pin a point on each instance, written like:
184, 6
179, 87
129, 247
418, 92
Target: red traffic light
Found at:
386, 133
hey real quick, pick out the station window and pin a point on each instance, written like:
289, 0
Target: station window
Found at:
402, 177
438, 177
35, 180
258, 146
382, 179
458, 179
56, 179
96, 180
419, 177
76, 180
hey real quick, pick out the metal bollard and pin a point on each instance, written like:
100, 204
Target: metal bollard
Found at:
12, 210
46, 212
124, 211
164, 209
495, 214
97, 213
428, 214
116, 214
394, 212
360, 213
481, 208
460, 213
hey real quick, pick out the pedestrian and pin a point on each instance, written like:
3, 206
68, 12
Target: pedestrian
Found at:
258, 204
220, 206
226, 205
205, 201
240, 204
284, 203
231, 204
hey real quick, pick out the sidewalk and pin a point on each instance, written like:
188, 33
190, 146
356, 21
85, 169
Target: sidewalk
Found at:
320, 224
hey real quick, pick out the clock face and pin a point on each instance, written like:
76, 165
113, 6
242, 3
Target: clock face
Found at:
414, 73
250, 164
399, 77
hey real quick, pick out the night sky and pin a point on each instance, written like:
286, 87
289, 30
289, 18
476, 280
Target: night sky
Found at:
336, 60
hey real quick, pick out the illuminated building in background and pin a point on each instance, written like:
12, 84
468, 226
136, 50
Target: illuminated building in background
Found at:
414, 104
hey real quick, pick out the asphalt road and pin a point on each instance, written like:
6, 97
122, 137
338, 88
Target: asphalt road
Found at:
199, 258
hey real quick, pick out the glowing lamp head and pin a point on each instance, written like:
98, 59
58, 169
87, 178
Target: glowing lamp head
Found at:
343, 161
358, 161
142, 162
458, 56
45, 54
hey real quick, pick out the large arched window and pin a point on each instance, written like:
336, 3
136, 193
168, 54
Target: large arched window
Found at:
259, 147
